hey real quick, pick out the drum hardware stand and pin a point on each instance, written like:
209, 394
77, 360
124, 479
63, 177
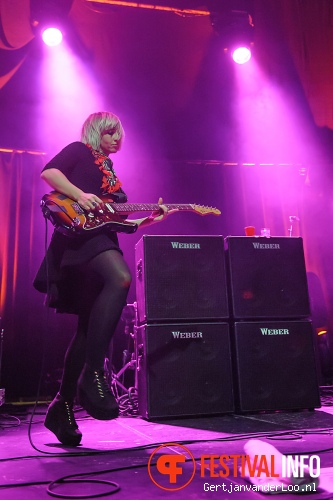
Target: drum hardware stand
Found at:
129, 359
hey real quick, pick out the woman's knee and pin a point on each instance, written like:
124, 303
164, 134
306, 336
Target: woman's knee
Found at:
111, 269
120, 278
124, 279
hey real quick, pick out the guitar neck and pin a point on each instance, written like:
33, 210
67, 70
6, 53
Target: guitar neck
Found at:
128, 208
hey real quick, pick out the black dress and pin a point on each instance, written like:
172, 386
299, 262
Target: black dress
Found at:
58, 275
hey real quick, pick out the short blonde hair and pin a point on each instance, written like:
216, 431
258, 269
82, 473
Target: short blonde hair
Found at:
98, 123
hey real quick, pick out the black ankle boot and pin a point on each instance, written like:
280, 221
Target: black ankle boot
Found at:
60, 420
95, 396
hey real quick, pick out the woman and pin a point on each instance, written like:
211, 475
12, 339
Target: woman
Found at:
87, 275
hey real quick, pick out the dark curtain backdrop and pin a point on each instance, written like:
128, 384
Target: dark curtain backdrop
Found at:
158, 71
28, 330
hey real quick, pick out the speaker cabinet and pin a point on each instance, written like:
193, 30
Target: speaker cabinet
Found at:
275, 364
180, 278
267, 278
184, 370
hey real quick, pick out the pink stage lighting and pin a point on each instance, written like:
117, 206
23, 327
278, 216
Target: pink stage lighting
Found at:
52, 36
241, 55
236, 31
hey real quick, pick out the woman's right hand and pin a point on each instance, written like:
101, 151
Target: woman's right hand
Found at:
89, 201
58, 181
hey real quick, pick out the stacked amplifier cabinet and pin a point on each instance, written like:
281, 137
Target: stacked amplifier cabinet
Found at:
183, 341
272, 337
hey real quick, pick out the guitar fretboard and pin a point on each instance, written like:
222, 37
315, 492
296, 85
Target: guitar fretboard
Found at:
146, 207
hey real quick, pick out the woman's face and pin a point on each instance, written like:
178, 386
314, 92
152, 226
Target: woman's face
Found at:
110, 142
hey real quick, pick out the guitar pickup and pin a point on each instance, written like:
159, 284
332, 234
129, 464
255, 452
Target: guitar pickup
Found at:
108, 206
78, 209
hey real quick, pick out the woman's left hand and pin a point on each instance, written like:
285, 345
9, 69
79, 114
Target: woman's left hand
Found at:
160, 214
156, 216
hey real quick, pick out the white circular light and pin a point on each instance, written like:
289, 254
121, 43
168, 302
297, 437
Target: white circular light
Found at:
241, 55
52, 36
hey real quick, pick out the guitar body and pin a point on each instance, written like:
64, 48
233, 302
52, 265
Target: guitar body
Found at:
69, 218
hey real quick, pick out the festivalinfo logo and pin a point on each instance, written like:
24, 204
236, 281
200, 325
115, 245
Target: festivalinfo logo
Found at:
172, 467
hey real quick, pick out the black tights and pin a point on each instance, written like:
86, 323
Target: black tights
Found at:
106, 285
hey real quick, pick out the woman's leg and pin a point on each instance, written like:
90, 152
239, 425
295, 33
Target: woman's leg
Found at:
74, 359
114, 279
110, 273
60, 415
105, 287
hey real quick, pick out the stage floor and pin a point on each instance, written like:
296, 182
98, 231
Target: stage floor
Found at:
118, 452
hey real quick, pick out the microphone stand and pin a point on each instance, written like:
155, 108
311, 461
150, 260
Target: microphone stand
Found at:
292, 219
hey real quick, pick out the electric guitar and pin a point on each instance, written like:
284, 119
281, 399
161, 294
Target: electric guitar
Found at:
69, 218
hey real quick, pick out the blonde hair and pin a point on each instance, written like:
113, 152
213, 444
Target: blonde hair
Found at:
98, 123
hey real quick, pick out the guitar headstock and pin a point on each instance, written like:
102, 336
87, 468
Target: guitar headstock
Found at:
202, 210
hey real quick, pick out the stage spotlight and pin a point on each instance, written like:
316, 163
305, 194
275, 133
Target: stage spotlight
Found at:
235, 28
52, 36
241, 55
49, 20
